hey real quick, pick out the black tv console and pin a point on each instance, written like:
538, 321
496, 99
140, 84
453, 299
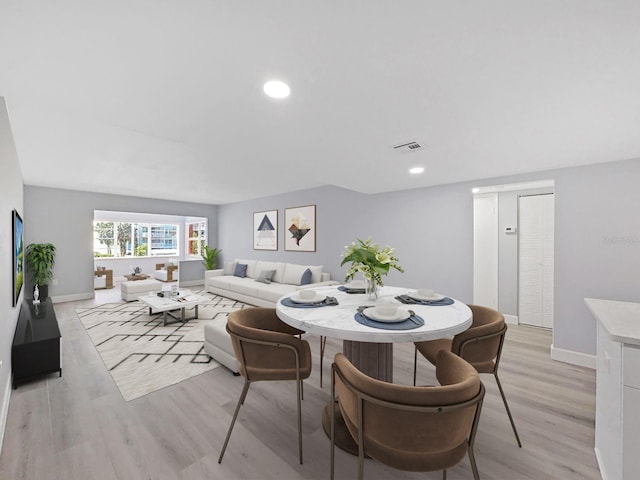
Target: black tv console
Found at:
36, 343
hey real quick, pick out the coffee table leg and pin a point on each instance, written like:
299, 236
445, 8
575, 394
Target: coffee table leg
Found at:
196, 312
164, 318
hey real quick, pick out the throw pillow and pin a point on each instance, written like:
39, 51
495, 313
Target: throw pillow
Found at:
306, 277
266, 276
229, 268
241, 270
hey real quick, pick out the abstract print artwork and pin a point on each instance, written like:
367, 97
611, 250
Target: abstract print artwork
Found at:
265, 230
300, 229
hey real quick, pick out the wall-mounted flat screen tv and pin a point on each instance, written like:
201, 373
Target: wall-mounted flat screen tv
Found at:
18, 256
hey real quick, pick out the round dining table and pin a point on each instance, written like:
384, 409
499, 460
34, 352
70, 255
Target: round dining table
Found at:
370, 349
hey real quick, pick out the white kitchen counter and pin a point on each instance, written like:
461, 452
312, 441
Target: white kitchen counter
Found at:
621, 320
617, 388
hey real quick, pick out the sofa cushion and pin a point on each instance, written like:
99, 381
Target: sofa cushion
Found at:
245, 286
293, 273
220, 282
251, 267
274, 291
306, 277
241, 270
229, 268
316, 273
265, 276
277, 266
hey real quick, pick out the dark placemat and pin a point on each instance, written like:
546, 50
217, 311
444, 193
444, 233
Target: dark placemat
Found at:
408, 324
327, 302
342, 288
406, 299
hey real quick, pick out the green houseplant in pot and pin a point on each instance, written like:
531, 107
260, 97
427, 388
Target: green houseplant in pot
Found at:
209, 255
40, 260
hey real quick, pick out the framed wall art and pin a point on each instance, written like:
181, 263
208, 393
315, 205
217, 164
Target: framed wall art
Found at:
265, 230
300, 229
18, 255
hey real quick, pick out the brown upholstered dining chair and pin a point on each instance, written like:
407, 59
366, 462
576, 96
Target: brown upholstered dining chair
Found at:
410, 428
267, 349
480, 345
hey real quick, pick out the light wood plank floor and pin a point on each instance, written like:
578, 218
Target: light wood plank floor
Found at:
79, 427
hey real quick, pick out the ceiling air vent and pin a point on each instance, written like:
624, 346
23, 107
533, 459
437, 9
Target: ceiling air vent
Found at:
406, 147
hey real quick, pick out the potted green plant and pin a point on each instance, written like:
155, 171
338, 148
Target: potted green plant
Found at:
40, 260
209, 256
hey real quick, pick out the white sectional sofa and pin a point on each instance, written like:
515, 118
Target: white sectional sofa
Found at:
287, 278
252, 289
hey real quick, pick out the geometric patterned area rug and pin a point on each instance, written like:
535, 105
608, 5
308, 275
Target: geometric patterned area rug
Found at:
141, 354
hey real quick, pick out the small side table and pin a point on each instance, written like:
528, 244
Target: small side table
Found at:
109, 278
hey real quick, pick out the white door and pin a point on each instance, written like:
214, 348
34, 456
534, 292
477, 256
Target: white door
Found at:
535, 259
485, 250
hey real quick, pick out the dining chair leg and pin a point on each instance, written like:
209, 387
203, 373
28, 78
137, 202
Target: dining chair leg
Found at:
243, 395
472, 460
444, 474
506, 406
415, 364
299, 392
323, 342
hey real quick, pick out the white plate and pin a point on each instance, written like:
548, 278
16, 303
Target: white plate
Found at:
433, 298
296, 298
399, 316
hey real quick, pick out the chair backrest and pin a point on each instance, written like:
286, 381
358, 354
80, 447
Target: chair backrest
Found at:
412, 428
481, 344
267, 348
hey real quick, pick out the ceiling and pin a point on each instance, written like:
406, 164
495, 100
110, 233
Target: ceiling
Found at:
164, 99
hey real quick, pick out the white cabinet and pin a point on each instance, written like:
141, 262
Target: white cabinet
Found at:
631, 432
630, 411
609, 406
617, 389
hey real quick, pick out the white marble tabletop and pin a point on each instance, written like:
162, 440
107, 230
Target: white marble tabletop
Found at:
621, 320
160, 304
339, 322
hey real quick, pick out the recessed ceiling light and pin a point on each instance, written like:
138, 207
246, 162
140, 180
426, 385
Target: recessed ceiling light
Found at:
416, 170
276, 89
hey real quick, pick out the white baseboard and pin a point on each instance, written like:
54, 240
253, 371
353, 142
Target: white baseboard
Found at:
4, 410
191, 283
72, 298
511, 319
574, 358
603, 474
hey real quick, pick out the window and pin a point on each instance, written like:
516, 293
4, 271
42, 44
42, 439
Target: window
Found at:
196, 238
103, 239
128, 239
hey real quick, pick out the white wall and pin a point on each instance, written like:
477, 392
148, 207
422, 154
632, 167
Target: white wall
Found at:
65, 218
11, 198
597, 237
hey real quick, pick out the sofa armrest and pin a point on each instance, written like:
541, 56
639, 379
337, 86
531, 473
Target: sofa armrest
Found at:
213, 273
